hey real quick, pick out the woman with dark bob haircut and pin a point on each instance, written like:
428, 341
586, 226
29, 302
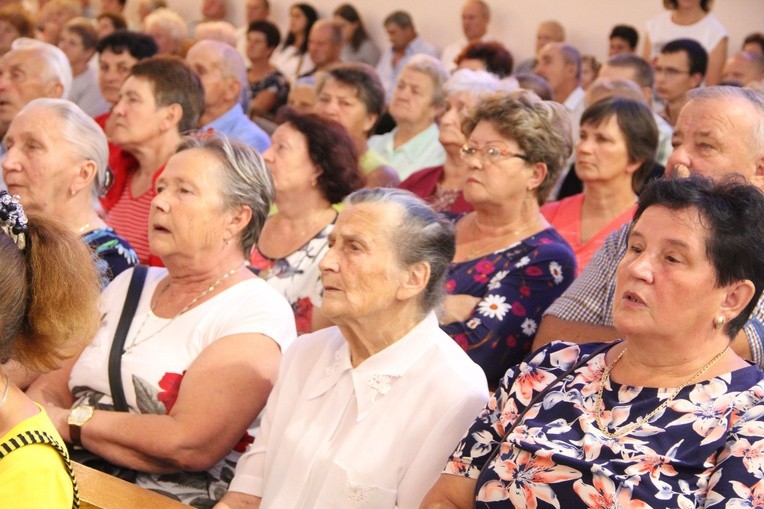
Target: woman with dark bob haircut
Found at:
268, 86
614, 154
486, 56
667, 416
314, 164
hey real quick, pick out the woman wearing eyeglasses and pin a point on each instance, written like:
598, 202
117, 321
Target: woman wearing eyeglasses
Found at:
509, 263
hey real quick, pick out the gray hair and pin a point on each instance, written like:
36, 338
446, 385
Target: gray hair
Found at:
422, 235
571, 56
245, 181
83, 135
399, 18
753, 99
433, 68
222, 31
169, 21
55, 60
473, 82
231, 65
643, 72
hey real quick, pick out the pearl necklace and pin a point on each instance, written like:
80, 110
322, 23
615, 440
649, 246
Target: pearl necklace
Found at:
214, 285
599, 403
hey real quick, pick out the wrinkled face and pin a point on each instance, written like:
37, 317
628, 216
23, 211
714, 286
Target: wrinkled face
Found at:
602, 154
297, 21
321, 48
672, 76
457, 105
551, 66
188, 214
399, 37
506, 179
618, 46
256, 11
205, 63
360, 271
412, 98
713, 138
257, 46
741, 70
666, 258
474, 21
340, 102
23, 77
40, 164
71, 44
289, 162
136, 117
113, 70
8, 34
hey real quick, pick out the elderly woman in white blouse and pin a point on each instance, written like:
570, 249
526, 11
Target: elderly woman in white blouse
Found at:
363, 413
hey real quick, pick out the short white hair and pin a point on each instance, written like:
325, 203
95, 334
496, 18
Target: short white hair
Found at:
55, 60
474, 82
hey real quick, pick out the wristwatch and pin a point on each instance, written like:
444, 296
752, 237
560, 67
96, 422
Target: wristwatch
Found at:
78, 416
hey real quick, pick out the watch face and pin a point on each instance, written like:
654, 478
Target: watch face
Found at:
80, 414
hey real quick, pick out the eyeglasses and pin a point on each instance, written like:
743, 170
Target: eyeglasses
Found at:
670, 72
488, 153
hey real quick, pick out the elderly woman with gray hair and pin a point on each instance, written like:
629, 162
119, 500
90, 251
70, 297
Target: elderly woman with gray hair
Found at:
441, 186
510, 265
363, 413
194, 367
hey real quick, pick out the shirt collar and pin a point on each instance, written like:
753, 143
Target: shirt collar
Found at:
226, 120
375, 377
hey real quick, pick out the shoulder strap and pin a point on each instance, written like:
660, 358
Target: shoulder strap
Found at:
41, 437
117, 346
583, 360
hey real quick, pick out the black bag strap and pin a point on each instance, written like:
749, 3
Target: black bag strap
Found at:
539, 395
117, 347
41, 437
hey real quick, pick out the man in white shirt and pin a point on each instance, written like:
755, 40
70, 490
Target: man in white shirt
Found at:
475, 17
405, 43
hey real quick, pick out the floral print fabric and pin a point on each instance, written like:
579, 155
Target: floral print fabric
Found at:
515, 286
706, 449
297, 276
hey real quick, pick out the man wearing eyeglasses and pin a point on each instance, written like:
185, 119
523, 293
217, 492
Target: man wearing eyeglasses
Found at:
679, 67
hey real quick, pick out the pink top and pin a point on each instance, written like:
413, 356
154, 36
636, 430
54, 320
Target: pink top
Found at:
565, 216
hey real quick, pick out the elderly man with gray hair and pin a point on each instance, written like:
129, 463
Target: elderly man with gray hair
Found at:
30, 70
221, 70
418, 99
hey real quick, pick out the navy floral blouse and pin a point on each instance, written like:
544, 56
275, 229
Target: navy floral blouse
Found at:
706, 449
515, 286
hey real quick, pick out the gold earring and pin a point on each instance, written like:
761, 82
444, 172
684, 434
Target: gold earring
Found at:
718, 322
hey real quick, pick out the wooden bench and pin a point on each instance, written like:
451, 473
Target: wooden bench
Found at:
103, 491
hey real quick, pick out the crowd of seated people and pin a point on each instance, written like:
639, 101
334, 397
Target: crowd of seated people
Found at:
566, 278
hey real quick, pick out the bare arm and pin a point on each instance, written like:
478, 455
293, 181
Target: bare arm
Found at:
262, 103
647, 49
457, 308
450, 492
209, 417
233, 500
716, 59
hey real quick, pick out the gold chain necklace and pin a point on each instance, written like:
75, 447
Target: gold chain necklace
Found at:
599, 403
214, 285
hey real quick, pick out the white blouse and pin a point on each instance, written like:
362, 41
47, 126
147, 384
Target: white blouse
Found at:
374, 436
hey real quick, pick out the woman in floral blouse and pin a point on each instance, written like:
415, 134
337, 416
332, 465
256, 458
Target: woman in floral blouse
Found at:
509, 264
314, 164
670, 416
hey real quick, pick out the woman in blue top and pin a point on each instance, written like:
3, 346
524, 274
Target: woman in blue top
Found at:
668, 417
509, 264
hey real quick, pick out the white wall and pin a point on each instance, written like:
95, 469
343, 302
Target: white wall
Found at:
588, 22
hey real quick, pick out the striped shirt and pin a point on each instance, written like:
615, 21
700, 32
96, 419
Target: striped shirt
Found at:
130, 219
